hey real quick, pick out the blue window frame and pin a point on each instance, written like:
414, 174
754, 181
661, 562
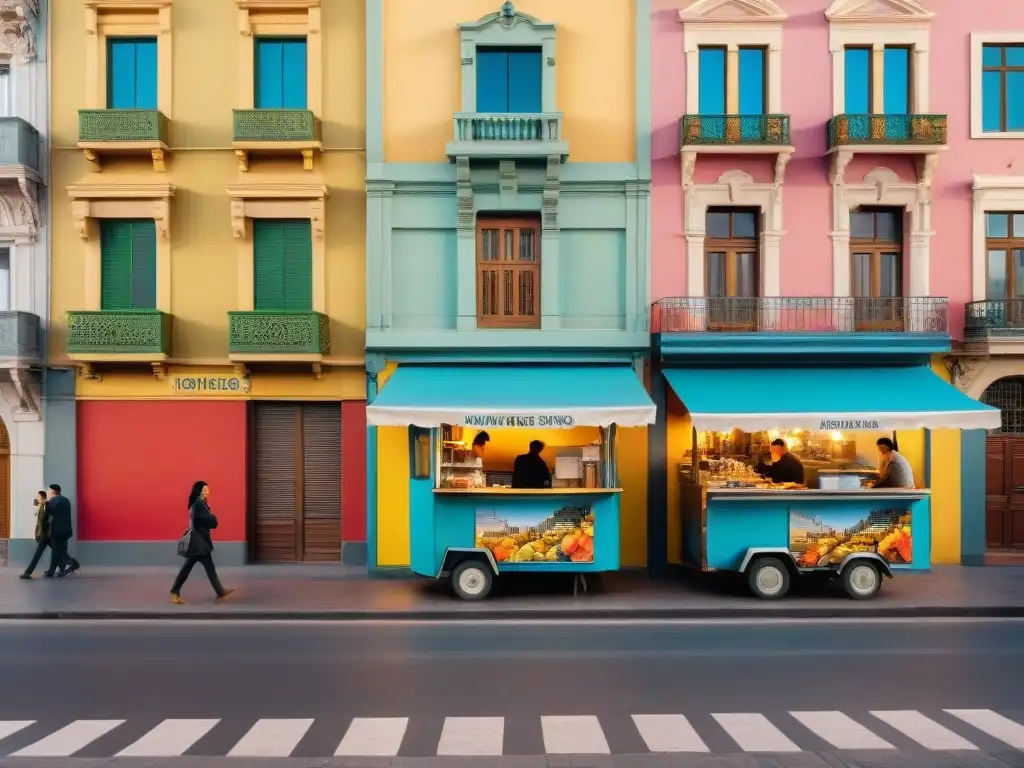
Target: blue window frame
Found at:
752, 81
1002, 88
858, 81
131, 73
896, 80
711, 86
509, 80
280, 73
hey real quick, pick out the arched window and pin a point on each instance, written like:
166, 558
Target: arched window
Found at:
1007, 394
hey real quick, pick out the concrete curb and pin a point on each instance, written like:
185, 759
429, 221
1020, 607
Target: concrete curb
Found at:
858, 611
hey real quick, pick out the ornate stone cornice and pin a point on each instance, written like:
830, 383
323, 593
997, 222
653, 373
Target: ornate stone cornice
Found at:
19, 203
19, 23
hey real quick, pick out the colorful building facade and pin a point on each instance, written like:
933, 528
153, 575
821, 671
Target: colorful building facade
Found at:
508, 139
24, 274
208, 217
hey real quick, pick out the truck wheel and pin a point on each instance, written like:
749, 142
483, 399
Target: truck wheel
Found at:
861, 581
768, 578
472, 580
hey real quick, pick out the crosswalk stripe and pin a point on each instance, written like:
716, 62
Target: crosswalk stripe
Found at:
10, 727
669, 733
373, 737
754, 733
69, 739
169, 739
573, 735
271, 738
480, 736
923, 730
841, 731
992, 723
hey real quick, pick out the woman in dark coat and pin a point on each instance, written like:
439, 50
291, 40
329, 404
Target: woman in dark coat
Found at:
200, 547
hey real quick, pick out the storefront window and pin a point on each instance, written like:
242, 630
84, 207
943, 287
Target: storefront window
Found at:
420, 453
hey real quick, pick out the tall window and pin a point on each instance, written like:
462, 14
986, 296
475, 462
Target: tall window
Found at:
6, 107
131, 73
280, 73
896, 81
508, 80
876, 244
1002, 88
127, 264
508, 273
711, 87
1004, 243
859, 78
753, 81
282, 265
5, 280
730, 252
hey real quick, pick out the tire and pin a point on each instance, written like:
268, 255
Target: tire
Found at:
768, 578
472, 580
861, 580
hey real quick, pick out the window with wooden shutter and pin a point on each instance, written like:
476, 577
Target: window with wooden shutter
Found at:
127, 264
283, 264
508, 273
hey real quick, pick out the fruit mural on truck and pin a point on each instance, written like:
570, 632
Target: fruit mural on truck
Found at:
566, 536
827, 537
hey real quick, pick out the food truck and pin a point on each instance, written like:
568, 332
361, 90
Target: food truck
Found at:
471, 519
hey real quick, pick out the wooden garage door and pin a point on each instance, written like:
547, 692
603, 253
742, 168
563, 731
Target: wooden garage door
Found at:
296, 472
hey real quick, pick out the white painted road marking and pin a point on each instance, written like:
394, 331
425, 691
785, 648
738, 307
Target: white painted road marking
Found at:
9, 727
169, 739
271, 738
841, 731
992, 723
373, 737
754, 733
669, 733
923, 730
69, 739
573, 735
480, 736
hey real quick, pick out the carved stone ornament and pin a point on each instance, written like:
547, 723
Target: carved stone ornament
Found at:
552, 187
19, 21
238, 219
964, 371
22, 391
19, 207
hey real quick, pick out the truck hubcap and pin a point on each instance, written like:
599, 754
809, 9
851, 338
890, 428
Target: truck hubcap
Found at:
769, 580
863, 579
471, 581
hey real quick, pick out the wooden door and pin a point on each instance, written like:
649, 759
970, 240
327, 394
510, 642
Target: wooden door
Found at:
296, 473
1004, 492
876, 245
508, 273
5, 483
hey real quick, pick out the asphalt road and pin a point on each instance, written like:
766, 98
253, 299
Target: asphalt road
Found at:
236, 673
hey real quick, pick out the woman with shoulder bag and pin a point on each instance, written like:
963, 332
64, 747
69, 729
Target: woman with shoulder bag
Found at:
196, 545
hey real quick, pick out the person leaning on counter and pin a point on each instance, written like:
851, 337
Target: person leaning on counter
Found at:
785, 467
529, 469
894, 470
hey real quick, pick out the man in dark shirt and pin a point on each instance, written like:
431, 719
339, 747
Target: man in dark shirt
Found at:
529, 469
785, 467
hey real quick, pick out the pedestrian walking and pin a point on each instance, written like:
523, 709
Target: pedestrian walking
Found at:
196, 545
58, 510
42, 533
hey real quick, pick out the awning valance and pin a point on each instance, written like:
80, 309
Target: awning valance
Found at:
841, 398
535, 397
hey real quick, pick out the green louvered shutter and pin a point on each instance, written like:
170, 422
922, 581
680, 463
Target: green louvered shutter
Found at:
115, 264
144, 264
298, 265
268, 263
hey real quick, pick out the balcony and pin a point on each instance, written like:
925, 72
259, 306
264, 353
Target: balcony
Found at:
19, 144
922, 136
275, 336
276, 131
19, 338
135, 335
508, 136
123, 132
995, 326
734, 134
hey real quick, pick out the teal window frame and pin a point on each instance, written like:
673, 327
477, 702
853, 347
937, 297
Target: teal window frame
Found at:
131, 61
277, 84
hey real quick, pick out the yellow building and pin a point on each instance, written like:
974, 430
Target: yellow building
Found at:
208, 295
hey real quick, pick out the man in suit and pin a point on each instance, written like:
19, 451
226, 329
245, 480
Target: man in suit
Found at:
59, 509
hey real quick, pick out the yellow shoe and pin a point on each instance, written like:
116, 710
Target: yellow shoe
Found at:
176, 599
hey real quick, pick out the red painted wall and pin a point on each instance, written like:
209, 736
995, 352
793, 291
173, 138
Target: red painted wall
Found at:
353, 470
138, 459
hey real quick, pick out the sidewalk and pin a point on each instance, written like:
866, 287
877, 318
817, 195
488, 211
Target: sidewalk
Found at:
339, 592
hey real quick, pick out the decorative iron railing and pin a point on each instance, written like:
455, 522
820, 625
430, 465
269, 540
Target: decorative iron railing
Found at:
269, 332
734, 129
276, 125
816, 314
122, 125
133, 331
886, 129
993, 318
19, 335
477, 126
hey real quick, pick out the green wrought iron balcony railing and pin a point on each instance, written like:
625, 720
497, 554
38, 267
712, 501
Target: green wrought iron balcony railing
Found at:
19, 335
276, 125
19, 143
925, 130
517, 134
716, 130
113, 332
270, 332
122, 125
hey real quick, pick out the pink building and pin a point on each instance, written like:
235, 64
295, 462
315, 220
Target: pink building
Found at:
863, 156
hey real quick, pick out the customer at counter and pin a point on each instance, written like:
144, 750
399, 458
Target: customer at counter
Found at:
785, 467
894, 471
529, 469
